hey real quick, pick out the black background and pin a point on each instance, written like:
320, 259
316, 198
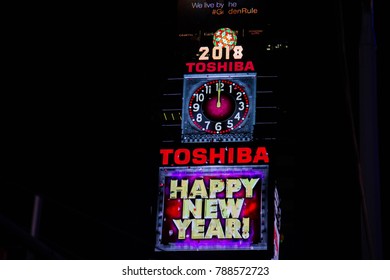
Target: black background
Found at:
80, 124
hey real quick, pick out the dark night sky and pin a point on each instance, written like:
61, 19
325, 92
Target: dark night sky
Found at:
80, 131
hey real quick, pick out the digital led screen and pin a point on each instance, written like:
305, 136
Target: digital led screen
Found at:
217, 107
212, 208
210, 14
199, 23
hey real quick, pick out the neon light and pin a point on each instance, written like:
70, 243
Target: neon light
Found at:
213, 208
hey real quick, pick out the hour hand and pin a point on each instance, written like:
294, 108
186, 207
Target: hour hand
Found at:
219, 95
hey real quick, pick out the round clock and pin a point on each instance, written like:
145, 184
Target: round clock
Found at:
218, 106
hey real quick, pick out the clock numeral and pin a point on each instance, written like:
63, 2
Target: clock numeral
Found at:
195, 107
199, 97
229, 124
219, 86
231, 88
199, 118
207, 124
208, 88
218, 126
241, 106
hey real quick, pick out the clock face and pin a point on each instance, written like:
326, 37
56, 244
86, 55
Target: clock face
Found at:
218, 106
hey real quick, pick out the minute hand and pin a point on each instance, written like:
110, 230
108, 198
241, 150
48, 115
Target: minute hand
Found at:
219, 95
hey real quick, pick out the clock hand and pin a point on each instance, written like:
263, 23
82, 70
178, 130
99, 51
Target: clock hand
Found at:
219, 95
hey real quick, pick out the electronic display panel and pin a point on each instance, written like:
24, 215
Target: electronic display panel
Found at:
198, 23
217, 105
202, 17
212, 208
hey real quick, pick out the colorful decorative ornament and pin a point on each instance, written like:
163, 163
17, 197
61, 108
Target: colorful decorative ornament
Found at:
225, 37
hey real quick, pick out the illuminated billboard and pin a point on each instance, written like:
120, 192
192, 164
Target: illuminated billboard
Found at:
212, 207
206, 16
217, 106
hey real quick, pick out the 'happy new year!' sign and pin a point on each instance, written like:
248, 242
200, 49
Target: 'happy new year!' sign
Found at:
212, 208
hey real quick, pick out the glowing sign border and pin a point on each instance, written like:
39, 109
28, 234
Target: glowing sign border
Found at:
210, 170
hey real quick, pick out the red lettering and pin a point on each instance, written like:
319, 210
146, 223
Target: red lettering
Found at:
261, 155
190, 66
211, 67
215, 156
249, 66
220, 66
239, 66
165, 155
231, 155
185, 153
244, 155
200, 67
200, 156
